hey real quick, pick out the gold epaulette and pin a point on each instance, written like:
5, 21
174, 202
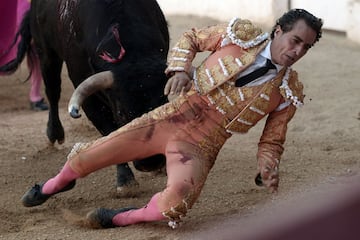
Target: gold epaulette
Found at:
244, 34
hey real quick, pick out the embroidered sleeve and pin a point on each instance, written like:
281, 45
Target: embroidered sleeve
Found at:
238, 31
274, 134
192, 42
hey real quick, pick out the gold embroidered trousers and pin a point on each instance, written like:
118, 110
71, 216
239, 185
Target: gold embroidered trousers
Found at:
187, 131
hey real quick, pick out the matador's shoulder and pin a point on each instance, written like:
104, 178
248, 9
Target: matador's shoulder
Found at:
243, 33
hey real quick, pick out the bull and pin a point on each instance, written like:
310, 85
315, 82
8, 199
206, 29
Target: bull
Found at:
115, 52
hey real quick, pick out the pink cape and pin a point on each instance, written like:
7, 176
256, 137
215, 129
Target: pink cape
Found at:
11, 14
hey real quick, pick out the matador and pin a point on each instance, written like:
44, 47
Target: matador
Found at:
191, 129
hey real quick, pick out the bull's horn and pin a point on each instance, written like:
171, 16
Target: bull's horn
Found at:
92, 84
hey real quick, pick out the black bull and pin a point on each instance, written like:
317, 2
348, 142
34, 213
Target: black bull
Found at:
115, 53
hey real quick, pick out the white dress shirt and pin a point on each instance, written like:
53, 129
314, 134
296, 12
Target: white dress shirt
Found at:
259, 62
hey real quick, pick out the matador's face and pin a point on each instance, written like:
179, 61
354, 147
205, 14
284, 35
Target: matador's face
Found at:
288, 47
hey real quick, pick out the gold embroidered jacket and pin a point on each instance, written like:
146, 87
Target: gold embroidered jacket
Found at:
234, 47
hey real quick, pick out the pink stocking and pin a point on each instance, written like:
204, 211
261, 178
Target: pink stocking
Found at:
148, 213
36, 77
64, 177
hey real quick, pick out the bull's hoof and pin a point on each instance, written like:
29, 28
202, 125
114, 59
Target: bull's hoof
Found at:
128, 190
55, 132
59, 141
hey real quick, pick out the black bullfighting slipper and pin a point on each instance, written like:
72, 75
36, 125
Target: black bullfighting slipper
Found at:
35, 197
39, 105
102, 217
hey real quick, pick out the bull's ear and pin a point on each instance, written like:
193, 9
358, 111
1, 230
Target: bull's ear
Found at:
110, 48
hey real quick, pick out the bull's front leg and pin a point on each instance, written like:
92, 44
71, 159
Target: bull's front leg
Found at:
55, 130
51, 67
127, 186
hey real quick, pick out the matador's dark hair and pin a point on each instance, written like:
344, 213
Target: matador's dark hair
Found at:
287, 21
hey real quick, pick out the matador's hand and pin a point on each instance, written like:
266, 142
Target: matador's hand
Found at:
177, 85
268, 175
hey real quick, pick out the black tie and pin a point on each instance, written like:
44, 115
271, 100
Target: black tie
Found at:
255, 74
